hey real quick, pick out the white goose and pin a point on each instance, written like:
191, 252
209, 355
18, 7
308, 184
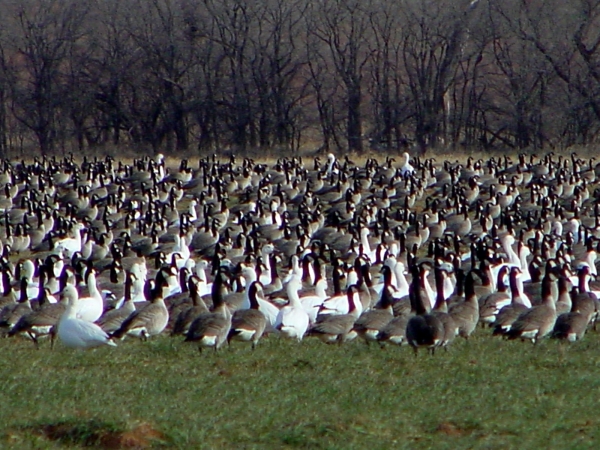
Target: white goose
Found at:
292, 320
77, 333
406, 167
70, 245
90, 308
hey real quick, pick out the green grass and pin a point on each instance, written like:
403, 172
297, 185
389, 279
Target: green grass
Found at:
486, 393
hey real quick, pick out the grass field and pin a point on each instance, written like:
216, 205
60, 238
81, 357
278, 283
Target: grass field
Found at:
486, 393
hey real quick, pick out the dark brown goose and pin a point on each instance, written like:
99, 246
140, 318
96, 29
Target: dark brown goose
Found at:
422, 330
212, 329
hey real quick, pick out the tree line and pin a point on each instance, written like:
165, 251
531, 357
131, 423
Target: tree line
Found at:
274, 74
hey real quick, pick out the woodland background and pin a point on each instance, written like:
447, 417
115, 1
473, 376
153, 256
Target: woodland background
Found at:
357, 75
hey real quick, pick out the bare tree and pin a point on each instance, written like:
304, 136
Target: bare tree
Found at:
45, 33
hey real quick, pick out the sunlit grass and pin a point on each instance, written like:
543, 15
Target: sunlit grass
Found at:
486, 393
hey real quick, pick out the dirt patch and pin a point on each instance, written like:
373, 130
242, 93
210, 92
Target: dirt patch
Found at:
452, 429
99, 434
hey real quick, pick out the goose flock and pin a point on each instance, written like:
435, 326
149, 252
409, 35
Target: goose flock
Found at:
409, 253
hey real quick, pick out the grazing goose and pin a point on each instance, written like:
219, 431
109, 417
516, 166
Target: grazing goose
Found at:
12, 312
423, 330
77, 333
248, 325
149, 320
212, 329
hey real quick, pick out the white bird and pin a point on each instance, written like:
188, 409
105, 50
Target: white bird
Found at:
90, 308
70, 245
77, 333
406, 168
292, 320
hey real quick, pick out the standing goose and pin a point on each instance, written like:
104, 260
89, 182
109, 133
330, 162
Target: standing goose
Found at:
337, 328
11, 313
112, 320
509, 314
370, 323
466, 314
539, 321
422, 330
440, 310
187, 312
248, 325
491, 304
77, 333
40, 322
90, 308
150, 319
293, 320
212, 329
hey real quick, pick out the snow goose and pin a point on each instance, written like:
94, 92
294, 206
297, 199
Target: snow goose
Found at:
406, 168
293, 320
77, 333
71, 245
90, 308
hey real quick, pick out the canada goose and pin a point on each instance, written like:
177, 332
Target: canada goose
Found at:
423, 329
149, 320
40, 322
539, 321
337, 328
77, 333
12, 312
112, 320
248, 325
187, 313
212, 329
370, 323
509, 313
440, 310
491, 304
466, 314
